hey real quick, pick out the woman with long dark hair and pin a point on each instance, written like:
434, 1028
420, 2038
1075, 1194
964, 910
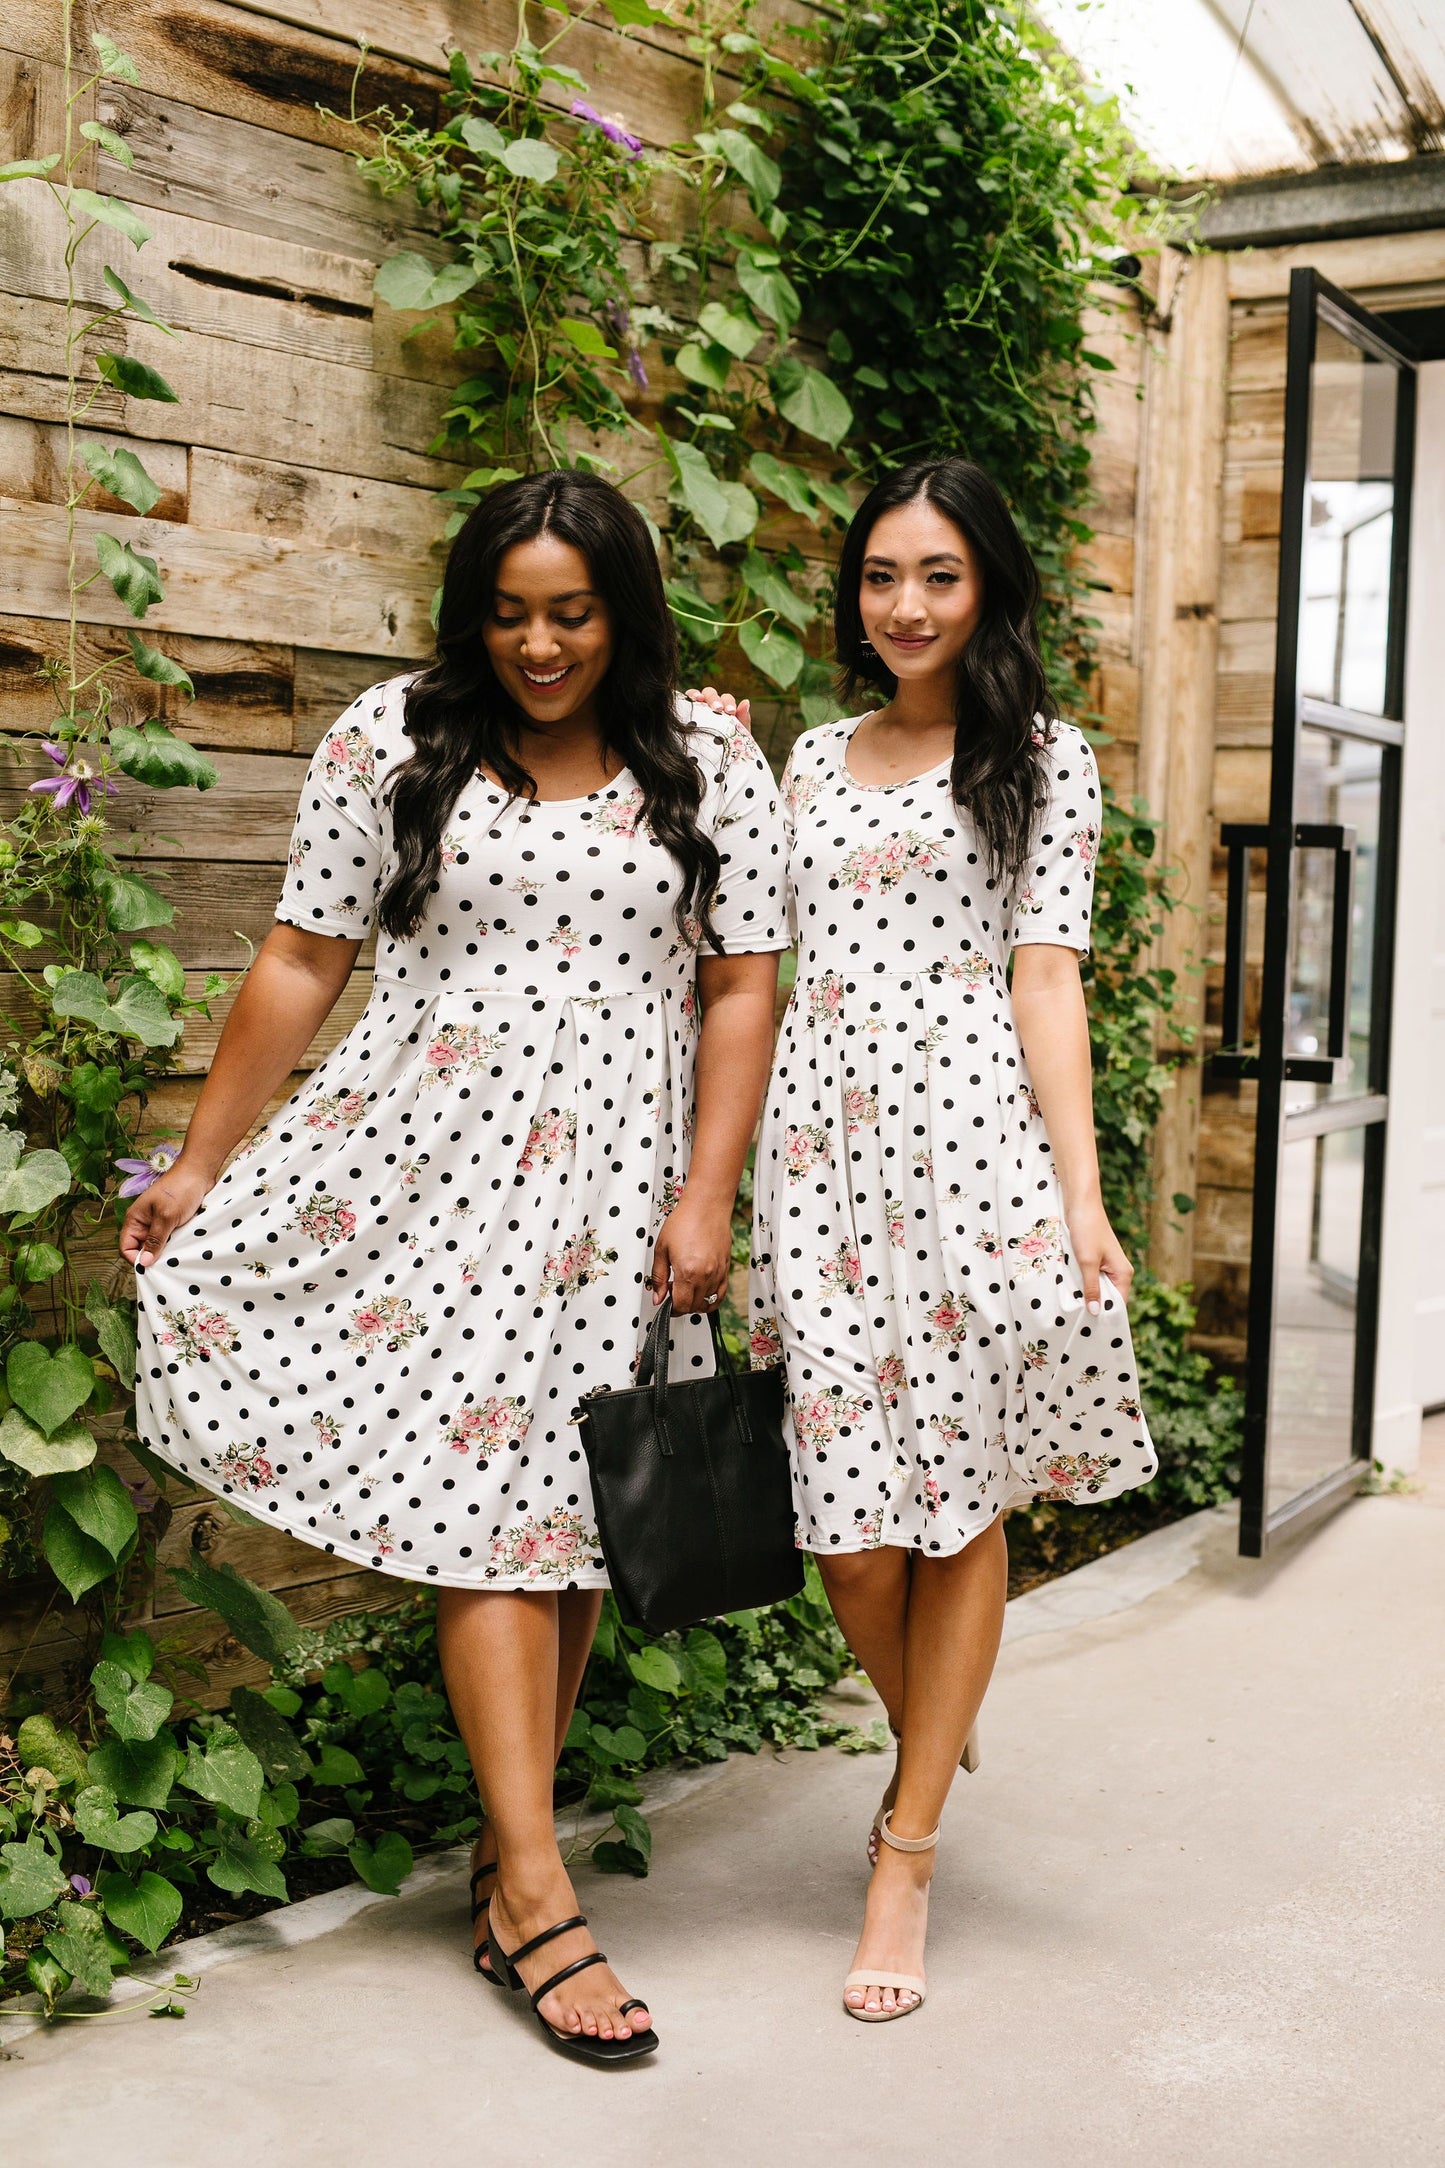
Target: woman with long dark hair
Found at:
933, 1262
374, 1328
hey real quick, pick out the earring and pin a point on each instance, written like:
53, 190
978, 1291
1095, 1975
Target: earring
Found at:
868, 648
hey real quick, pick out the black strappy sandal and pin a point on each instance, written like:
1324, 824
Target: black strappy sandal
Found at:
481, 1950
587, 2047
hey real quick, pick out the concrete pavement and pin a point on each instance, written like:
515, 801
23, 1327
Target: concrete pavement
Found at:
1190, 1911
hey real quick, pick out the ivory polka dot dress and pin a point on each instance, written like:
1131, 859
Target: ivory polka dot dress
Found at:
376, 1329
911, 1260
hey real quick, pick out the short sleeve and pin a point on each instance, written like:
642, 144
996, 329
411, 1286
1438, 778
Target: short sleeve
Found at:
749, 912
333, 870
1055, 894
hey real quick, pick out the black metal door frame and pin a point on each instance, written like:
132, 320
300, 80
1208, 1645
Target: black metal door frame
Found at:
1312, 298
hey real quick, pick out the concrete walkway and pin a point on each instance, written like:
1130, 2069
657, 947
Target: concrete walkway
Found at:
1189, 1912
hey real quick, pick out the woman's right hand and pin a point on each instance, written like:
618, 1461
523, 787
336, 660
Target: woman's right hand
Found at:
161, 1209
723, 704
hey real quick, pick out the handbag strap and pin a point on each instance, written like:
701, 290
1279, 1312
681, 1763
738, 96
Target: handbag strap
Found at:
653, 1365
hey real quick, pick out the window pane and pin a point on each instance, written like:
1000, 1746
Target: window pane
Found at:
1349, 525
1312, 1363
1337, 782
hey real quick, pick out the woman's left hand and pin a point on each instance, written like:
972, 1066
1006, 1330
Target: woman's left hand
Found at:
1097, 1250
695, 1252
723, 704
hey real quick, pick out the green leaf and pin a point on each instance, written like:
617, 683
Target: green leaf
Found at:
384, 1866
260, 1621
78, 1942
365, 1691
789, 483
155, 755
818, 408
653, 1667
112, 60
225, 1771
140, 1772
138, 1012
100, 1822
135, 304
161, 965
241, 1864
586, 338
135, 577
636, 1829
752, 165
404, 281
323, 1840
708, 1659
36, 1181
134, 1709
771, 586
31, 1878
283, 1699
95, 131
490, 477
725, 511
134, 1653
21, 933
769, 289
29, 169
132, 903
818, 700
71, 1446
113, 1327
635, 14
135, 378
836, 497
739, 334
530, 159
159, 668
40, 1742
335, 1767
480, 136
701, 619
705, 365
110, 211
269, 1736
34, 1262
101, 1508
450, 283
776, 652
146, 1910
49, 1388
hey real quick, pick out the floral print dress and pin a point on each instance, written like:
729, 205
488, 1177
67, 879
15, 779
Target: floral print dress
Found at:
376, 1329
911, 1260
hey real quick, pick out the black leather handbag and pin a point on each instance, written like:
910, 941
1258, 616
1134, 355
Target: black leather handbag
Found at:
692, 1489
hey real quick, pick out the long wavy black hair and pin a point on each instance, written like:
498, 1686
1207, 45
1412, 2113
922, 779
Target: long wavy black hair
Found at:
998, 769
458, 716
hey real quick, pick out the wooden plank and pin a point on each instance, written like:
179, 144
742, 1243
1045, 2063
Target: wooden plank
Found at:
1248, 645
232, 495
1107, 561
1244, 714
194, 1055
247, 587
1251, 582
1116, 695
325, 686
243, 692
1241, 783
1256, 428
32, 465
232, 172
1257, 351
228, 60
268, 1555
247, 815
1223, 1228
234, 398
1371, 268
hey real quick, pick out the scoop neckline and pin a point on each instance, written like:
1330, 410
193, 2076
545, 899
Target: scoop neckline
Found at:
496, 790
904, 782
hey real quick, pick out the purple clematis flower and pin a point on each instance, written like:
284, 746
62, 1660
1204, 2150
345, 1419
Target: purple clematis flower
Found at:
612, 129
78, 782
141, 1173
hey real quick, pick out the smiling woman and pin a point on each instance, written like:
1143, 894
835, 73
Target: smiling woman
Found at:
377, 1323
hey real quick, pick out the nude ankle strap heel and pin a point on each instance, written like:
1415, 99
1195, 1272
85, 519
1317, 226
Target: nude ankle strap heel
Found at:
907, 1983
904, 1844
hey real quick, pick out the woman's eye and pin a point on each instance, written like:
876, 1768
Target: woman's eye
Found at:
574, 623
944, 579
505, 624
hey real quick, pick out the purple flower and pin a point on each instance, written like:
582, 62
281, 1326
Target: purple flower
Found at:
80, 1883
142, 1172
636, 371
78, 782
612, 129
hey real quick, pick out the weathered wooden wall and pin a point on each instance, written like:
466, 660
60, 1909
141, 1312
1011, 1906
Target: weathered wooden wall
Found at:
1206, 1143
298, 530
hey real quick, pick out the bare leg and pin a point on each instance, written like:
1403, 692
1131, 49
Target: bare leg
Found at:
950, 1643
578, 1610
502, 1657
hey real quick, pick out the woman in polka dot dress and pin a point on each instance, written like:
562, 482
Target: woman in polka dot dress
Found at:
374, 1328
933, 1262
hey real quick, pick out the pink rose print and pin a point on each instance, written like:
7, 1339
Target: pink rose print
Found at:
805, 1147
818, 1417
871, 1530
1131, 1408
487, 1427
336, 1110
381, 1539
324, 1219
932, 1497
327, 1429
970, 969
1030, 1099
948, 1429
458, 1050
545, 1548
471, 1268
840, 1273
924, 1159
565, 937
350, 758
1036, 1354
765, 1344
1086, 843
893, 1214
859, 1107
197, 1333
579, 1261
886, 864
552, 1135
451, 850
389, 1321
989, 1243
246, 1466
296, 856
799, 791
1042, 1246
1073, 1473
892, 1375
825, 998
949, 1319
1026, 903
619, 816
687, 1006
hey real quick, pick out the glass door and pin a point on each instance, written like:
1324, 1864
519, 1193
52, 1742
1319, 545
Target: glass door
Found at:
1328, 858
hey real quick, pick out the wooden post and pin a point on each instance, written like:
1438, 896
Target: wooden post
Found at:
1188, 386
